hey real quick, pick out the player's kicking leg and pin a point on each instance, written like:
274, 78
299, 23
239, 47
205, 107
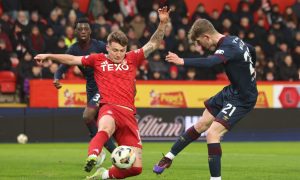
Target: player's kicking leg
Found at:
184, 140
90, 115
106, 129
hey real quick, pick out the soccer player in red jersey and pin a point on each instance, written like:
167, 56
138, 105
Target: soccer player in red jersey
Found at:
115, 76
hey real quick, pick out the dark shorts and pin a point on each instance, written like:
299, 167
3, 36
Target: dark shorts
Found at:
93, 102
228, 108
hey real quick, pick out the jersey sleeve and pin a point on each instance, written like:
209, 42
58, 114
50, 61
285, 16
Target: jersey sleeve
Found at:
225, 52
138, 56
63, 68
203, 62
89, 60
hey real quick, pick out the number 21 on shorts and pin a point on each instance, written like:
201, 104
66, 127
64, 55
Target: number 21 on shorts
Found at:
229, 108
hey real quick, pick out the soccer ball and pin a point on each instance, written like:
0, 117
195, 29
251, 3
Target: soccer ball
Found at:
22, 139
123, 157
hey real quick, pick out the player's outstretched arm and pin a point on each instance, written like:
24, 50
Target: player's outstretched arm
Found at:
61, 58
158, 35
196, 62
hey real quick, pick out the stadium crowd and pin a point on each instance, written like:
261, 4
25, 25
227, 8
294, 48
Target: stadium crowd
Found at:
29, 27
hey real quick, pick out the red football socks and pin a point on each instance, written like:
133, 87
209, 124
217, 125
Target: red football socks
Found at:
123, 173
97, 143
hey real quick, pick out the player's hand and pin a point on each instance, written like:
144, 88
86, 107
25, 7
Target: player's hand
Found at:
163, 14
173, 58
40, 58
57, 84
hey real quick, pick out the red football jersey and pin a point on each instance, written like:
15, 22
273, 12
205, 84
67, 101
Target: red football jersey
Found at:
116, 82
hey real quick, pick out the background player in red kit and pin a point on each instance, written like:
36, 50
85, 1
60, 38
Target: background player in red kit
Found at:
115, 77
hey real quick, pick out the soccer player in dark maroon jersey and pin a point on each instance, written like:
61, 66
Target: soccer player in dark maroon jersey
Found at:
115, 76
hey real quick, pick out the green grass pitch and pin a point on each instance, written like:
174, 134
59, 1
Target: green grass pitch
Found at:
241, 160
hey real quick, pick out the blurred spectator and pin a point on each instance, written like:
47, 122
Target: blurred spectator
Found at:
128, 8
200, 12
144, 7
260, 31
227, 27
24, 71
281, 53
11, 6
35, 20
296, 55
138, 24
60, 46
19, 40
156, 64
180, 5
145, 37
72, 16
173, 73
227, 13
181, 39
252, 38
6, 24
119, 19
112, 8
243, 11
296, 9
5, 63
270, 68
44, 7
65, 5
50, 39
53, 21
169, 38
36, 41
152, 22
289, 15
48, 72
185, 24
156, 76
191, 74
244, 24
100, 22
23, 21
288, 70
69, 36
132, 38
215, 19
270, 46
75, 8
5, 38
270, 76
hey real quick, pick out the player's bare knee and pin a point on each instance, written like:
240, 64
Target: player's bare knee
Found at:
201, 126
213, 135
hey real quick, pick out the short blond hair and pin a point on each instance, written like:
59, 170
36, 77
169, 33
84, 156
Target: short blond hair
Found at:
118, 37
200, 27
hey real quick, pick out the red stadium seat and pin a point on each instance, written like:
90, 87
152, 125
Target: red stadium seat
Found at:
7, 82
